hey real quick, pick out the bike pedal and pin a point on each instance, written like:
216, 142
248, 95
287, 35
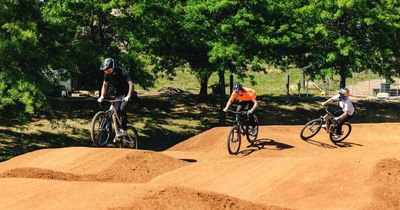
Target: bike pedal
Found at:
116, 140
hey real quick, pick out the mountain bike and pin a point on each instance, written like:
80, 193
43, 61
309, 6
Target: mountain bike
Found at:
314, 126
241, 126
101, 131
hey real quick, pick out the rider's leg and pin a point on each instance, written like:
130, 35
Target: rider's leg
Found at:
339, 125
252, 121
241, 106
244, 106
340, 122
124, 116
117, 106
327, 122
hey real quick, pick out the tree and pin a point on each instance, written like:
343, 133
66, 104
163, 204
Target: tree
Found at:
23, 58
91, 31
343, 37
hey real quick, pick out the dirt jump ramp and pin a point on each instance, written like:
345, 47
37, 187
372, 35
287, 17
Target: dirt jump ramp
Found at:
280, 171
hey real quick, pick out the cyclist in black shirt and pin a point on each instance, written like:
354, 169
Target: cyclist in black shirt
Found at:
123, 87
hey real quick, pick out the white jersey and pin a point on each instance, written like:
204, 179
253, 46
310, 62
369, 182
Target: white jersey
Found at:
346, 105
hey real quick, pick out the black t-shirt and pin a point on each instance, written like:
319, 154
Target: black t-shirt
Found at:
119, 81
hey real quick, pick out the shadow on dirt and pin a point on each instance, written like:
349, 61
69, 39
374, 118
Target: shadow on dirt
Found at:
268, 144
330, 146
189, 160
348, 144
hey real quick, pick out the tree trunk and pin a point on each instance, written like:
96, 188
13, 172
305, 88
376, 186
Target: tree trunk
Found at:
287, 83
203, 87
342, 80
221, 75
222, 100
230, 84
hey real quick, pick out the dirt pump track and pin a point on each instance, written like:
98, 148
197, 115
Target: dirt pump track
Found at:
279, 172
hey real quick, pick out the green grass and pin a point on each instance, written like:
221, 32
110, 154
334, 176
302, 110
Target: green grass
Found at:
270, 83
166, 120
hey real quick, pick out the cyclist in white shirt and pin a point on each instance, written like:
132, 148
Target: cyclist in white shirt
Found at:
345, 112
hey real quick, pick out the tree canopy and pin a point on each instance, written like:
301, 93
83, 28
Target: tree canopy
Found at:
153, 38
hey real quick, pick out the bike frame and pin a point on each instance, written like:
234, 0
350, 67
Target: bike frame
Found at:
331, 117
114, 115
238, 121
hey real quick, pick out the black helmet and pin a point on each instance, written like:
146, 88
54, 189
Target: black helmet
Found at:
108, 63
237, 87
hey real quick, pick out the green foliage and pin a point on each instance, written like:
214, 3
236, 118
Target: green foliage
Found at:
155, 38
349, 36
18, 92
23, 61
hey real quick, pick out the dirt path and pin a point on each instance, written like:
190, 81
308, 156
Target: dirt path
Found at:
281, 171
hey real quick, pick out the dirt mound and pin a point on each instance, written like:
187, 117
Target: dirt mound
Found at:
123, 166
139, 167
39, 173
386, 177
206, 141
22, 193
282, 170
187, 198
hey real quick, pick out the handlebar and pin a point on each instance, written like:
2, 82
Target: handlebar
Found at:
112, 101
330, 114
234, 112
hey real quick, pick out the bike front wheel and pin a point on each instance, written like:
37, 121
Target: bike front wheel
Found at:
130, 140
234, 140
346, 130
311, 129
101, 129
252, 131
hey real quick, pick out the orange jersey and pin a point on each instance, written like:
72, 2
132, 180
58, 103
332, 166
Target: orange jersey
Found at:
247, 95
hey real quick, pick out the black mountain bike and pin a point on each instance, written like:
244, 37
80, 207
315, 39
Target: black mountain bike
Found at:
101, 130
241, 127
314, 126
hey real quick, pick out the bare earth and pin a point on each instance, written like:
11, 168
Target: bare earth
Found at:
280, 172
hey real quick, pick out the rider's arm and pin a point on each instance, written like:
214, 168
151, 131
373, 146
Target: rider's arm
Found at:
130, 87
327, 102
104, 89
255, 105
230, 101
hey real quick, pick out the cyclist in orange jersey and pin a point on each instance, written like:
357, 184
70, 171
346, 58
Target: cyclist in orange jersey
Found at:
247, 100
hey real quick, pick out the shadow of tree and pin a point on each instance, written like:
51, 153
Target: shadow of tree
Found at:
166, 120
15, 143
282, 110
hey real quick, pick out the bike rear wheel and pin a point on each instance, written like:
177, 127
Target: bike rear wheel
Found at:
311, 129
234, 140
252, 131
130, 140
346, 130
101, 129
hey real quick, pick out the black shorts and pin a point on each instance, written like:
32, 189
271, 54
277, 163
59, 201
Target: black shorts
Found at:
339, 112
